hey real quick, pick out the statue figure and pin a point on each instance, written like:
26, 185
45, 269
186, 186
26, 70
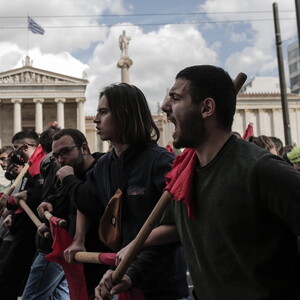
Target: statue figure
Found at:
27, 77
123, 43
17, 78
38, 78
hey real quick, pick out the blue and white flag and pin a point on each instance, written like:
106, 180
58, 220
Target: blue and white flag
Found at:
34, 27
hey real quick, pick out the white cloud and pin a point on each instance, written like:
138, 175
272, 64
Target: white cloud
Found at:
54, 16
157, 57
260, 56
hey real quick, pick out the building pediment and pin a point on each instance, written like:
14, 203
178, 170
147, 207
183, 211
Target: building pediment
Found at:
32, 76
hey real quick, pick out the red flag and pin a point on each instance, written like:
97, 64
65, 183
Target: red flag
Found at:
35, 161
249, 131
179, 180
74, 272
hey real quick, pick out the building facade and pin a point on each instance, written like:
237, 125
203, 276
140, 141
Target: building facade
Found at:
32, 98
264, 110
294, 67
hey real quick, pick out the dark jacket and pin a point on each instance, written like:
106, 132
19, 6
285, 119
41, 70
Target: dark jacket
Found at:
144, 166
63, 207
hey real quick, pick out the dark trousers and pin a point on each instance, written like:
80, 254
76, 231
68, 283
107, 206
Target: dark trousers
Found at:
15, 267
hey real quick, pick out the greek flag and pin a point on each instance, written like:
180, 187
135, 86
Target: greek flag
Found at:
34, 27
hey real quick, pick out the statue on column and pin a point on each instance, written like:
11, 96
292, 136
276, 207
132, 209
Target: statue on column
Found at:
124, 43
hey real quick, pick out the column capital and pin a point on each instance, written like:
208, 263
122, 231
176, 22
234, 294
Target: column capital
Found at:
58, 100
275, 109
18, 100
80, 100
38, 100
124, 62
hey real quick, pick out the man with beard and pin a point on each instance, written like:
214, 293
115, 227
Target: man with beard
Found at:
239, 214
69, 148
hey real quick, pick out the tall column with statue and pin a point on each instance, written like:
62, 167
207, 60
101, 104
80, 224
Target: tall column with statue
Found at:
124, 62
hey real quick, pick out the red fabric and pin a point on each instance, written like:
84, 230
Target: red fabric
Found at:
34, 166
170, 148
180, 179
35, 161
107, 258
248, 132
10, 200
74, 272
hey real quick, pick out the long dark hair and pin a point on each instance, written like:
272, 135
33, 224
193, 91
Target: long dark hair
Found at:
131, 114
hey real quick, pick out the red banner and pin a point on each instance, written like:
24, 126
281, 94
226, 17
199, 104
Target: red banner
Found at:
74, 272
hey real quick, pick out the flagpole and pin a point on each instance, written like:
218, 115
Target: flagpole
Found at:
27, 37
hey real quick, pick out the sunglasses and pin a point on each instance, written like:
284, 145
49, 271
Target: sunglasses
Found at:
64, 152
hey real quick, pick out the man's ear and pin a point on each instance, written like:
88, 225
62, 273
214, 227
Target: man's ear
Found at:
84, 148
207, 107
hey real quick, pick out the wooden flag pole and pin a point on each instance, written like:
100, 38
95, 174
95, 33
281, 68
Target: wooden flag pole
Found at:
33, 217
18, 179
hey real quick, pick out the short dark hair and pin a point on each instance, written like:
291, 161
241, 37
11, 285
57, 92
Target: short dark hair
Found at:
131, 114
6, 149
278, 144
208, 81
46, 137
26, 134
77, 136
262, 141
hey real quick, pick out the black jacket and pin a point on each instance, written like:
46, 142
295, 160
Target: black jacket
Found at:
144, 166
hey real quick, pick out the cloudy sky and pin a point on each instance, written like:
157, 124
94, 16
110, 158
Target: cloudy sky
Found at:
166, 36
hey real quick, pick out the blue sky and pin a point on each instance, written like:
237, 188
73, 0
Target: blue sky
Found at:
205, 34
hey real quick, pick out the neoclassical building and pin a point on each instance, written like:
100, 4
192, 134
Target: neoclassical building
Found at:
32, 98
264, 110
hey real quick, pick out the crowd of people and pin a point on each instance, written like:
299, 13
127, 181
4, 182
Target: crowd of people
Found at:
233, 219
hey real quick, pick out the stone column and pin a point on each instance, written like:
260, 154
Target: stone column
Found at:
60, 112
17, 115
247, 118
124, 64
80, 114
38, 114
261, 122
